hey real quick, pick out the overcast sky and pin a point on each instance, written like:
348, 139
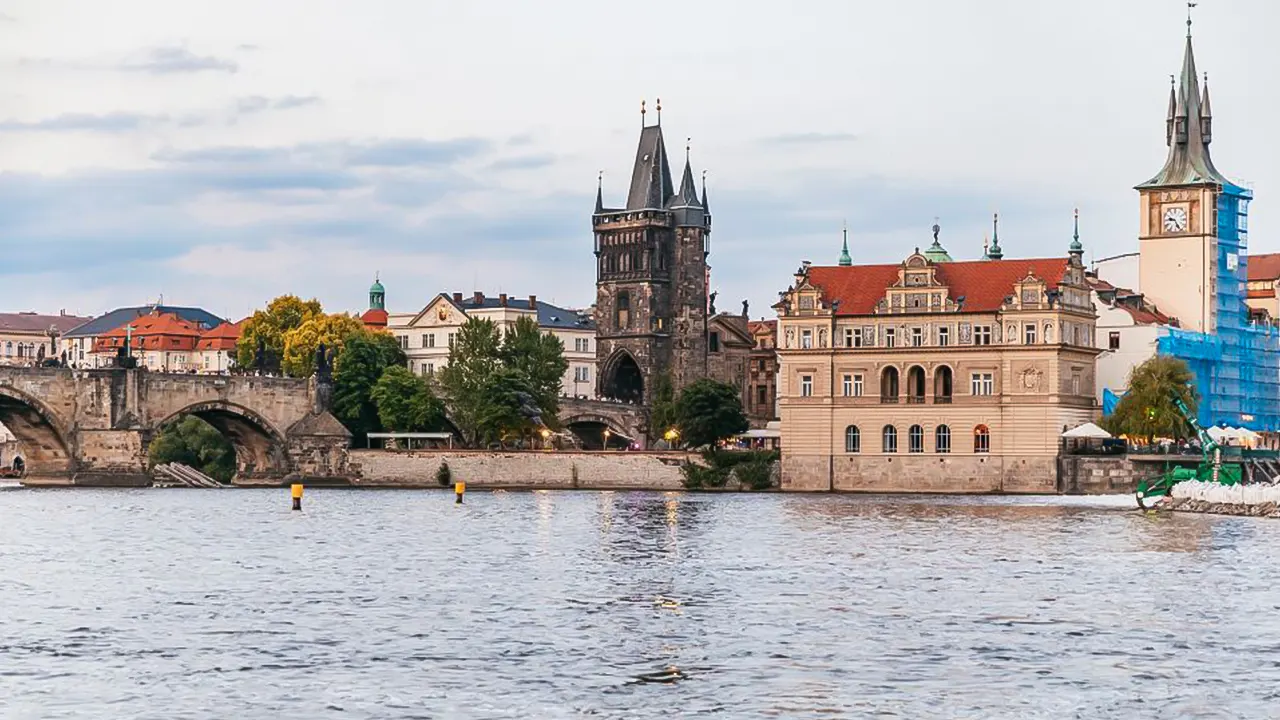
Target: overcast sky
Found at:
222, 152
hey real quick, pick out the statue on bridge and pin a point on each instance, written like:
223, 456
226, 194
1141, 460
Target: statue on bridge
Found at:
324, 362
712, 304
260, 357
745, 315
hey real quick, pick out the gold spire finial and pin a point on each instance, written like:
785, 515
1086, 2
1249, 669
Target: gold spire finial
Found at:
642, 111
658, 107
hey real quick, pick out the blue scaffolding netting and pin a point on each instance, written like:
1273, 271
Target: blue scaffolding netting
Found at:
1237, 364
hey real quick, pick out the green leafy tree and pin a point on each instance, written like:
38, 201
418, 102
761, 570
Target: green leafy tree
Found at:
194, 443
662, 414
1148, 409
707, 411
501, 418
365, 358
271, 324
301, 342
539, 357
473, 360
405, 402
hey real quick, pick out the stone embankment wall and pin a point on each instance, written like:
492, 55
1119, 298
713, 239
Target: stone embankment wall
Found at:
1101, 475
524, 470
1258, 500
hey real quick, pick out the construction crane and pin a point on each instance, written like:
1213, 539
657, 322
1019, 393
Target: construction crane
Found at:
1211, 468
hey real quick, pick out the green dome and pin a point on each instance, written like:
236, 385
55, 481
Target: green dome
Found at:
376, 287
936, 253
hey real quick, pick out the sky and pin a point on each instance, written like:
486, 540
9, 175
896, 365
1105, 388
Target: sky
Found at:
218, 153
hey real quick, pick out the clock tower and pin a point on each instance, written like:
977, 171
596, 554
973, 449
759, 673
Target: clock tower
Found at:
1191, 228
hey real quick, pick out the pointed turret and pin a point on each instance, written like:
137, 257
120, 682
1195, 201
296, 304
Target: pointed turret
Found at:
600, 193
651, 186
1206, 114
705, 205
994, 252
1173, 109
1188, 133
1076, 249
685, 204
845, 260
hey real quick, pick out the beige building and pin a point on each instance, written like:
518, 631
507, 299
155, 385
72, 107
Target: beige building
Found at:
934, 376
27, 337
426, 335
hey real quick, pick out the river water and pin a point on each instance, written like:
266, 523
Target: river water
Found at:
172, 604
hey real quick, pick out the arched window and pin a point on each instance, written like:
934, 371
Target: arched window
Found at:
21, 350
623, 310
889, 439
889, 385
915, 385
852, 439
981, 439
915, 439
8, 349
942, 439
942, 385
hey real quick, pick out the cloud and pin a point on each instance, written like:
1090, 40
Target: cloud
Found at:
809, 138
7, 18
116, 122
169, 60
258, 103
400, 153
525, 162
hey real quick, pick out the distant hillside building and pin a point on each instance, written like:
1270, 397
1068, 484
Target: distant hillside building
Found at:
427, 335
27, 337
80, 341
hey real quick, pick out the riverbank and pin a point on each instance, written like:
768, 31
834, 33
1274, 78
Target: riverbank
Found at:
1214, 499
527, 470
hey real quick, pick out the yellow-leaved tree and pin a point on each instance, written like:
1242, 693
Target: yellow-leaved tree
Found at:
270, 325
300, 343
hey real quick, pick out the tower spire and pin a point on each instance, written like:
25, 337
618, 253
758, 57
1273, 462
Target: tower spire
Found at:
658, 106
1076, 247
845, 260
642, 113
994, 252
705, 205
600, 192
1173, 111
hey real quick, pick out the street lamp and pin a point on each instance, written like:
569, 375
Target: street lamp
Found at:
606, 438
546, 434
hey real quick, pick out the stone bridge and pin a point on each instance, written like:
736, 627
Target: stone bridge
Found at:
93, 427
587, 417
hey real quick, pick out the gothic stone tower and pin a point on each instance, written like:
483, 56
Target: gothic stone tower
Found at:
651, 278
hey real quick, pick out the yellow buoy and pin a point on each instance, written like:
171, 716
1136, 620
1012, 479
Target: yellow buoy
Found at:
459, 488
295, 491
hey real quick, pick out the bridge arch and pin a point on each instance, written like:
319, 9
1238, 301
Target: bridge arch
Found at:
261, 448
590, 430
621, 377
41, 434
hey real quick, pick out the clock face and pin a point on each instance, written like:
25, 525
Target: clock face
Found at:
1175, 220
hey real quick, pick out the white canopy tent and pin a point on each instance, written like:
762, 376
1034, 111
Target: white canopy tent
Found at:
1087, 431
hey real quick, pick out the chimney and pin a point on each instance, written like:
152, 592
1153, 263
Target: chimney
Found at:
533, 302
457, 298
502, 299
479, 298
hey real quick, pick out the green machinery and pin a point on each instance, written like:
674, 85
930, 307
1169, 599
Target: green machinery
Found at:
1211, 467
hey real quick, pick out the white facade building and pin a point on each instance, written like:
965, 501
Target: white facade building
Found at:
426, 335
1128, 328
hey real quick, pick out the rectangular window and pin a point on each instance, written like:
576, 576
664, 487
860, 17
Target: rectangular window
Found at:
848, 386
806, 339
429, 340
426, 370
762, 395
981, 384
848, 337
431, 369
714, 342
451, 340
404, 341
1029, 334
1075, 384
858, 340
1113, 341
944, 336
890, 337
917, 337
857, 385
806, 386
982, 335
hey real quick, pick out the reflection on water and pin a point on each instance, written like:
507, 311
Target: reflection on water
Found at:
186, 604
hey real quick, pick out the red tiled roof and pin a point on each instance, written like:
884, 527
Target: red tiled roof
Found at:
762, 326
984, 284
158, 331
222, 337
1255, 293
1264, 267
1147, 314
30, 322
374, 318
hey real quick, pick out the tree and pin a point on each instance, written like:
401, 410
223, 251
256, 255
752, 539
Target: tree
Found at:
500, 411
662, 415
300, 343
194, 443
473, 360
270, 325
365, 357
539, 357
1148, 410
708, 411
405, 402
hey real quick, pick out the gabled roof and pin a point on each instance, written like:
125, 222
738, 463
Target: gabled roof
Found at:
121, 316
30, 322
223, 337
983, 284
735, 324
759, 327
1142, 311
374, 318
549, 316
1264, 267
